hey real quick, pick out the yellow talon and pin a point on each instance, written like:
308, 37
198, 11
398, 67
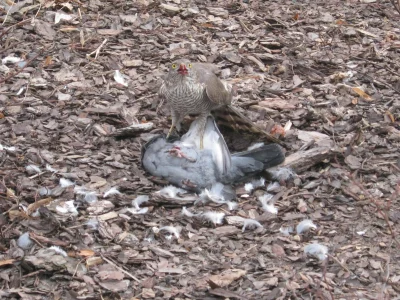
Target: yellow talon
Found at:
201, 143
170, 131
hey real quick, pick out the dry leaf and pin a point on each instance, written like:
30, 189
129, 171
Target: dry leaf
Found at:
363, 94
226, 277
6, 262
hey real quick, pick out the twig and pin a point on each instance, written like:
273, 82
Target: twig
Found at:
119, 268
381, 211
244, 25
396, 5
97, 51
8, 12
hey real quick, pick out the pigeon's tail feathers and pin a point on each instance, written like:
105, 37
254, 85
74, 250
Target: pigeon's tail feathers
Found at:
269, 155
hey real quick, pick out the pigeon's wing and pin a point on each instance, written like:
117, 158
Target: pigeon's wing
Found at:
217, 91
215, 142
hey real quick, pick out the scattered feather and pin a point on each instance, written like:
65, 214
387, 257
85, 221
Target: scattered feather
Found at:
59, 250
273, 186
287, 126
286, 230
213, 217
217, 194
255, 146
20, 91
120, 78
62, 16
304, 226
32, 169
267, 203
283, 174
65, 182
67, 207
88, 196
51, 169
187, 213
248, 187
149, 239
35, 214
361, 232
24, 241
171, 191
317, 250
251, 224
173, 230
112, 191
11, 59
139, 200
5, 148
140, 211
93, 223
231, 205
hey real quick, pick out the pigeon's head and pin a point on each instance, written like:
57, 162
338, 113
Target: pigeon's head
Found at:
182, 67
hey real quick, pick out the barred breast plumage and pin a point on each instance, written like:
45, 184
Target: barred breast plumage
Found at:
194, 88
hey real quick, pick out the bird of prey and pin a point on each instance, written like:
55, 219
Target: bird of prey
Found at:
184, 164
194, 88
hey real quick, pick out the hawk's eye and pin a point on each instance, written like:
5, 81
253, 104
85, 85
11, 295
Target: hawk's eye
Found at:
173, 66
189, 65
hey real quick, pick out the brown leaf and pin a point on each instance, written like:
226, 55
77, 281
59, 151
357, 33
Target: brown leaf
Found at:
363, 94
226, 277
6, 262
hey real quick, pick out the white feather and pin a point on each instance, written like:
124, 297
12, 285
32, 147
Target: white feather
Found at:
248, 187
51, 169
286, 230
282, 174
59, 250
255, 146
89, 196
140, 211
112, 191
267, 203
187, 213
215, 194
273, 186
65, 182
231, 205
173, 230
32, 169
317, 250
10, 149
251, 224
213, 217
67, 207
304, 226
171, 191
92, 223
139, 200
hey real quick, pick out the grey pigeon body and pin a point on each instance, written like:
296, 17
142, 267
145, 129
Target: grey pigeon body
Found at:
193, 168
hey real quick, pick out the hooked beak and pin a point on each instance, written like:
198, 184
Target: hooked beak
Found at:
182, 69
